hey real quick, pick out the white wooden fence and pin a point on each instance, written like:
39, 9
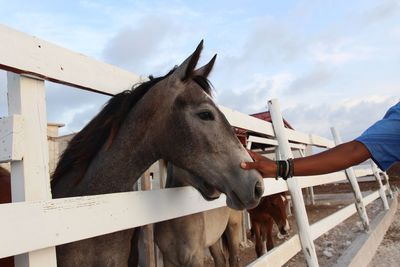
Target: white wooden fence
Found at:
32, 226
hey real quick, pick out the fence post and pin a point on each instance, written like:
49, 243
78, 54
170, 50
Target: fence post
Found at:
245, 216
147, 230
30, 179
162, 172
301, 217
310, 190
354, 185
386, 177
382, 192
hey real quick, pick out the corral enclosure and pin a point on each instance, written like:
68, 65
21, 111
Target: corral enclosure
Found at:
35, 224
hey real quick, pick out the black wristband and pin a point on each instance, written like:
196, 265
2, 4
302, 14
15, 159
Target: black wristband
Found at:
284, 168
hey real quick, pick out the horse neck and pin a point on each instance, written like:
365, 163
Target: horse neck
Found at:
116, 168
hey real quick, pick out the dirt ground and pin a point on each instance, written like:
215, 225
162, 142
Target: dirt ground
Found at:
388, 254
331, 245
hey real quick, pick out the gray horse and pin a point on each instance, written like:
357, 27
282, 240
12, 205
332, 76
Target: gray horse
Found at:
183, 240
171, 117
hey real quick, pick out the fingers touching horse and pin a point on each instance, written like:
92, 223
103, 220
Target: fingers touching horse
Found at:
171, 117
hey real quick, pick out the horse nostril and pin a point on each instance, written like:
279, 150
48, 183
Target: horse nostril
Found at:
259, 190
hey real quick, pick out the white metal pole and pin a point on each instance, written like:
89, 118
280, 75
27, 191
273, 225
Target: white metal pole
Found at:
310, 190
148, 230
387, 184
301, 217
162, 172
382, 192
30, 179
246, 225
354, 185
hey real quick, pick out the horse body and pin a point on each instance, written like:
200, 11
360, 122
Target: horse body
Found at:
183, 240
271, 208
171, 117
5, 186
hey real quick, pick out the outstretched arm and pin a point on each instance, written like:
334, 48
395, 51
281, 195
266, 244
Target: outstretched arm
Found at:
334, 159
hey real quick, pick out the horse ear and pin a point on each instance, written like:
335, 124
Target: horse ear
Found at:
206, 69
186, 69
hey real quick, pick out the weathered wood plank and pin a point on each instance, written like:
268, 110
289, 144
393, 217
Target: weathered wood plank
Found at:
11, 138
279, 255
294, 188
24, 54
30, 177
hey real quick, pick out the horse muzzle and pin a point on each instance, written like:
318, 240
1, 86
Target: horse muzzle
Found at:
284, 230
245, 201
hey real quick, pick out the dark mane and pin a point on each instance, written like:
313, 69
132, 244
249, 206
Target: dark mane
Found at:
100, 130
204, 83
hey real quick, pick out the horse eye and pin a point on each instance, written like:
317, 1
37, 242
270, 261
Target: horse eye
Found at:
206, 116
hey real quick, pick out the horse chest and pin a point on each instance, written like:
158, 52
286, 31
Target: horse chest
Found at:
215, 222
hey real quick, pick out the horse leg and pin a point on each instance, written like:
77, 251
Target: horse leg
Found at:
218, 253
270, 242
133, 260
260, 247
196, 260
232, 234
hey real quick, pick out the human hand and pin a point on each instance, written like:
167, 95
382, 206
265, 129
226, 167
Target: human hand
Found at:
265, 166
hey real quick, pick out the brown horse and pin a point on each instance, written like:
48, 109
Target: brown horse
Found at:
171, 117
5, 197
183, 240
271, 208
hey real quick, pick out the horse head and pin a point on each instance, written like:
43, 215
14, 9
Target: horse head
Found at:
278, 204
195, 136
171, 117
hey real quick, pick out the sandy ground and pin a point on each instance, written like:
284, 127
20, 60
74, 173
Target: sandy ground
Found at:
388, 253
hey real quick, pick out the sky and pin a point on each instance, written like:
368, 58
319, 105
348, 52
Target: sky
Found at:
330, 63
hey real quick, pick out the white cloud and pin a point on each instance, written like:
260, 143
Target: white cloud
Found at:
133, 47
73, 107
271, 40
317, 78
384, 10
361, 100
340, 51
252, 97
395, 33
350, 117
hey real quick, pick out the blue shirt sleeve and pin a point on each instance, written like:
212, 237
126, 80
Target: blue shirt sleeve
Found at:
382, 139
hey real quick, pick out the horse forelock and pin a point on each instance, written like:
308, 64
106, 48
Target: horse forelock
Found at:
204, 83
